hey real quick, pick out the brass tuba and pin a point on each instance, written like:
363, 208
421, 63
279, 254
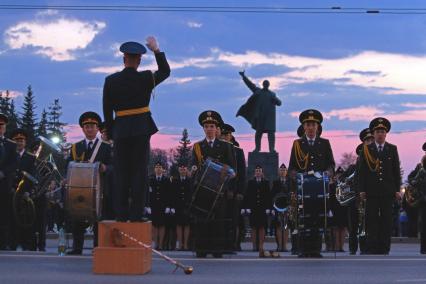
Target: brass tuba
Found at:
33, 186
23, 205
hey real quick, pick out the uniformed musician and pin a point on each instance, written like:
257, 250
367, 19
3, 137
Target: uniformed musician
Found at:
258, 205
281, 187
379, 184
310, 154
238, 184
8, 164
91, 148
25, 236
417, 179
159, 204
181, 187
127, 94
219, 151
355, 239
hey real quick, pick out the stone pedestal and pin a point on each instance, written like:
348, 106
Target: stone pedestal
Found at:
122, 256
268, 161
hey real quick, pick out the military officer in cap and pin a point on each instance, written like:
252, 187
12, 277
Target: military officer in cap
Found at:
353, 208
8, 164
90, 149
417, 179
127, 94
223, 152
211, 147
310, 154
25, 235
238, 185
379, 184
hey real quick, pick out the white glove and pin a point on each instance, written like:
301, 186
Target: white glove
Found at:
2, 175
273, 212
248, 211
148, 210
243, 211
267, 211
152, 43
167, 211
172, 210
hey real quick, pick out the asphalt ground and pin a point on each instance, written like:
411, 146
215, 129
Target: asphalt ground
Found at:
403, 265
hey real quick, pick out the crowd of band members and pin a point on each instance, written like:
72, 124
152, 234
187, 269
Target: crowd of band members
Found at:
169, 197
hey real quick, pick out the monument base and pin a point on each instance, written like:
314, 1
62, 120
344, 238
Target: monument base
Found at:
268, 161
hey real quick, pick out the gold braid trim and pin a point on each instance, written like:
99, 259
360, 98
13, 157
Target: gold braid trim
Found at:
372, 163
74, 154
300, 155
198, 154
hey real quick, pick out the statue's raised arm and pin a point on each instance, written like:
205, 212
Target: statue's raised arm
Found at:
249, 83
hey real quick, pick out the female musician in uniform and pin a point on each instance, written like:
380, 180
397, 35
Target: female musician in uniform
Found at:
258, 205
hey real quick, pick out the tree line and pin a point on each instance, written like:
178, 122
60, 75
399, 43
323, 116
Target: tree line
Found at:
47, 123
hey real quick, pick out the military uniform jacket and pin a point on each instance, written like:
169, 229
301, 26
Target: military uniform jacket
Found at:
379, 174
317, 158
26, 163
221, 151
81, 153
280, 186
8, 164
182, 193
240, 181
160, 195
258, 196
130, 89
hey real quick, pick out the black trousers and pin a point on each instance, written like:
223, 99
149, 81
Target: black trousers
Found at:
379, 224
353, 228
40, 225
6, 218
78, 230
131, 157
422, 228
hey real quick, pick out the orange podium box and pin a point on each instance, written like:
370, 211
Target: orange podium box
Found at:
117, 254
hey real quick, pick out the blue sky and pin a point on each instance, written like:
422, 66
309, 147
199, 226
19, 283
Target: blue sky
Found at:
350, 67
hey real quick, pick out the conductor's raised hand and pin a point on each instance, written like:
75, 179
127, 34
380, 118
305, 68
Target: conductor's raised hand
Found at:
152, 44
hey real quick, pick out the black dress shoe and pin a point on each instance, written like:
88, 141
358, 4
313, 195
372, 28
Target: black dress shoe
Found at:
353, 253
423, 252
75, 252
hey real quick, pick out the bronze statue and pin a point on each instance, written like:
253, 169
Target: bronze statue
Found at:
259, 111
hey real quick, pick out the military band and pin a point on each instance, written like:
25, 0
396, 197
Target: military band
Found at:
121, 146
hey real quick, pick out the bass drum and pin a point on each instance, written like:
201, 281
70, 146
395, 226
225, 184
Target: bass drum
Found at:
83, 192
